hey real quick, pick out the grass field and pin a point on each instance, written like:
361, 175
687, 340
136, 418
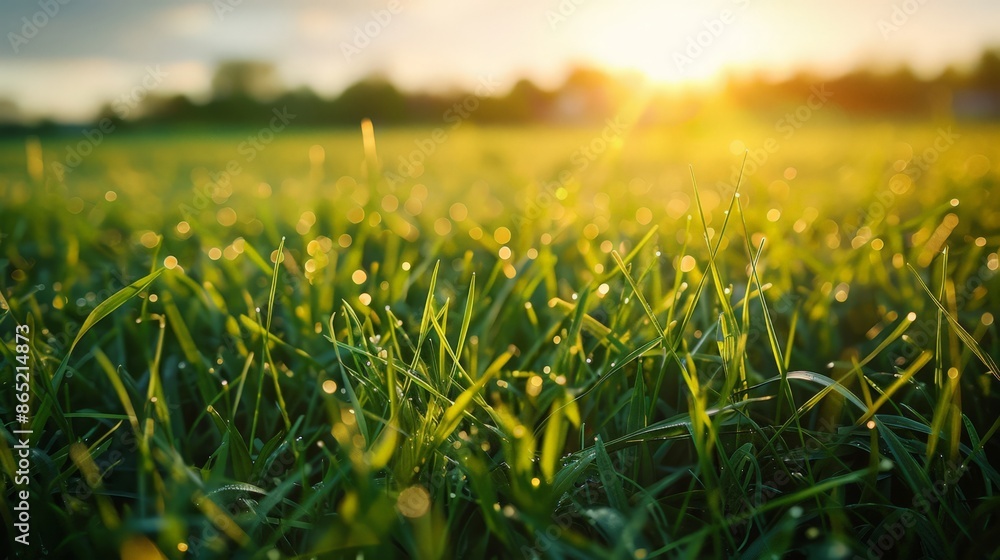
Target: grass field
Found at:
526, 349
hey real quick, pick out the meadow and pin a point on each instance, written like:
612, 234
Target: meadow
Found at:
725, 338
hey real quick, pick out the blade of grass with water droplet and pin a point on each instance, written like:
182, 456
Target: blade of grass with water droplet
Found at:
967, 338
609, 478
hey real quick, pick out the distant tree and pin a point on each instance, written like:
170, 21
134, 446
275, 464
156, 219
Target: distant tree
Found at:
425, 107
527, 102
245, 79
9, 112
107, 112
175, 108
587, 94
987, 72
244, 92
949, 77
374, 98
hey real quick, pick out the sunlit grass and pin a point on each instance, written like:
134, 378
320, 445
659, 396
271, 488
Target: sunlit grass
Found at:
474, 363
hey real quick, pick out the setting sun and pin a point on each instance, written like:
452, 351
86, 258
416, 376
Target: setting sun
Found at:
659, 42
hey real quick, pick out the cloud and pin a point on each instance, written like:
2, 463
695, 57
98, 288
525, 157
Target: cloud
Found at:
187, 20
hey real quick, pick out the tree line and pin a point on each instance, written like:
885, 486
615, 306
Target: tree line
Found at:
243, 90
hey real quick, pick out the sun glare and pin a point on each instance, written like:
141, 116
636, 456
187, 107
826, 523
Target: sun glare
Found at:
670, 44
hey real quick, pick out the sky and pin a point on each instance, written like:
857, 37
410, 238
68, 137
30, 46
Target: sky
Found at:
67, 62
